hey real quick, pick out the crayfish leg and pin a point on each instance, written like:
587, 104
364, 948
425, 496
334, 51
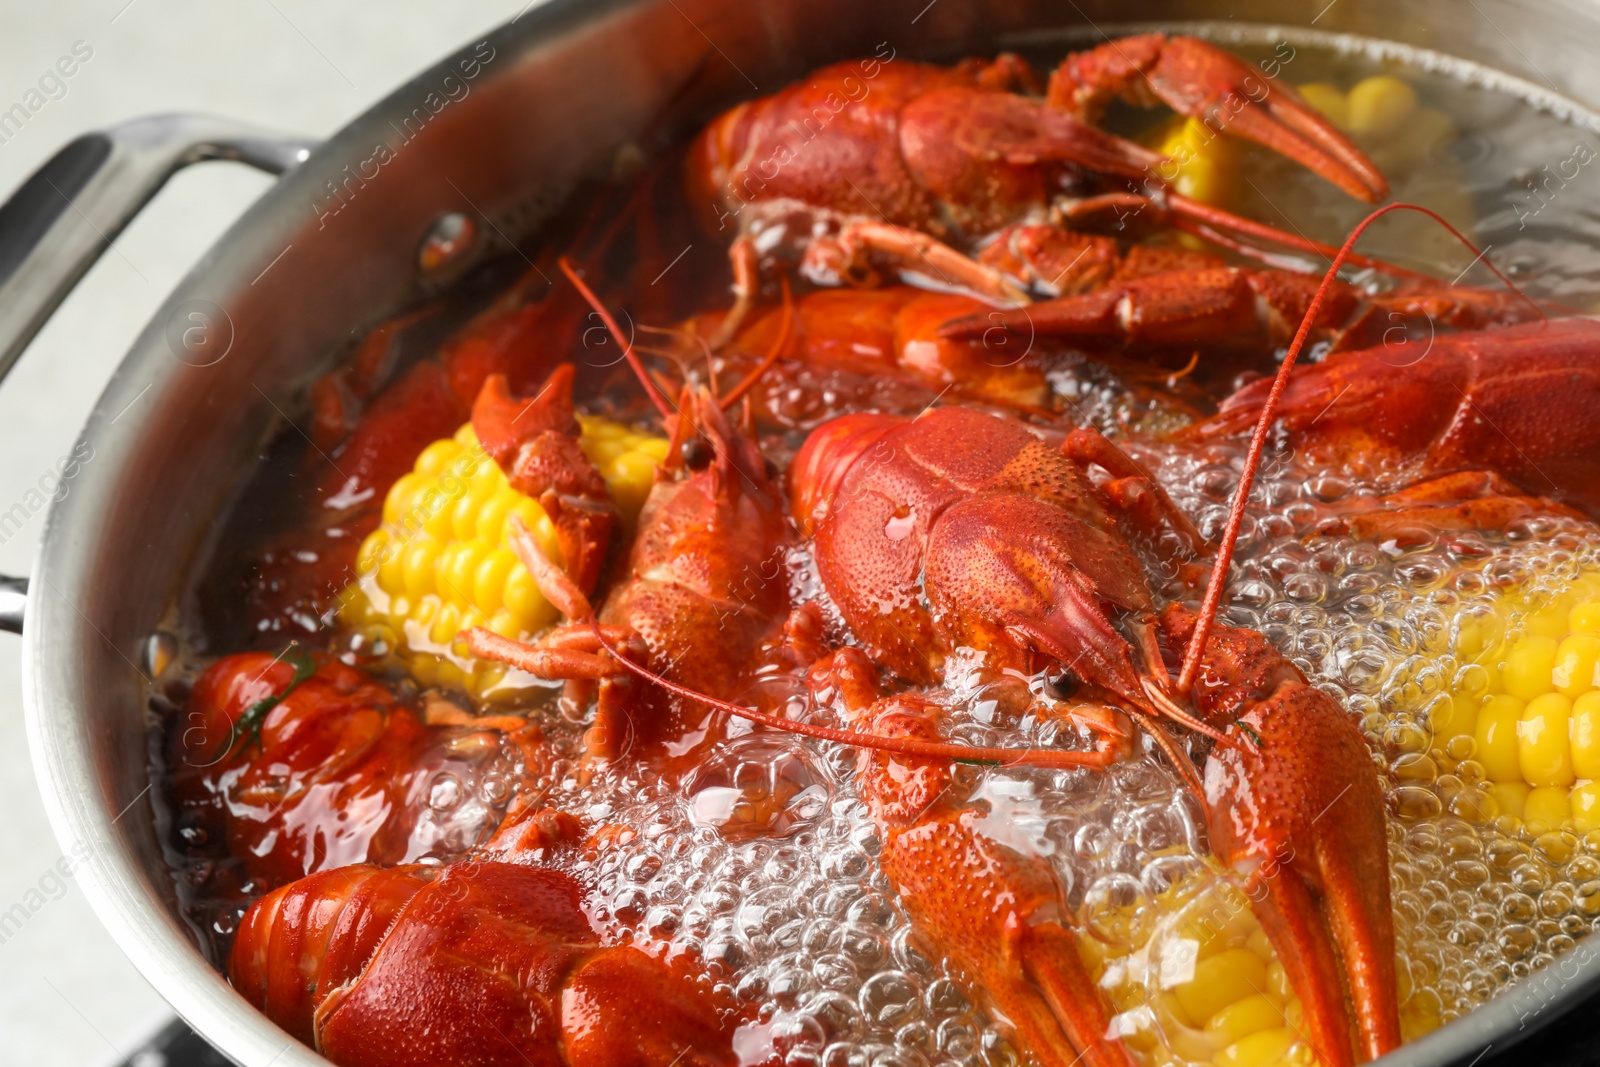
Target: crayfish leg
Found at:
848, 256
746, 263
1133, 489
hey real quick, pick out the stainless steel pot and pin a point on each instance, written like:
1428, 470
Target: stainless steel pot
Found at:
499, 132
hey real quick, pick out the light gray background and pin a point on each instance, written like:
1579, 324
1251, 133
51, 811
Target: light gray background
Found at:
67, 995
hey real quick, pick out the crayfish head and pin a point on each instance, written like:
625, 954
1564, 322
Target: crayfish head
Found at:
827, 456
702, 441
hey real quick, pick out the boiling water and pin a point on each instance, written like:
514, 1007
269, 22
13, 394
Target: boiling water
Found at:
1479, 900
788, 907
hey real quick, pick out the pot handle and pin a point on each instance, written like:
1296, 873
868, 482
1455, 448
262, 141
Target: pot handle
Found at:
59, 221
68, 212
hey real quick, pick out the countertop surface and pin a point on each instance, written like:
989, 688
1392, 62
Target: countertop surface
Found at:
67, 995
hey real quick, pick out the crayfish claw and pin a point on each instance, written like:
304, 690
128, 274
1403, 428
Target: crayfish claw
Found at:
1198, 79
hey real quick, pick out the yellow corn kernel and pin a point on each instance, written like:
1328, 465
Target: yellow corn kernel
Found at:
464, 514
1329, 100
447, 673
1480, 635
1244, 1017
1543, 749
1220, 980
458, 568
489, 580
1511, 796
1584, 732
1585, 618
391, 574
1278, 981
1260, 943
420, 557
635, 473
492, 516
1459, 718
1216, 934
1584, 801
436, 512
445, 624
1186, 1044
1575, 669
437, 456
1379, 105
505, 624
1265, 1048
1547, 806
1552, 620
1201, 164
424, 668
1168, 1007
522, 597
373, 551
424, 611
604, 451
1527, 668
399, 497
1494, 682
1497, 738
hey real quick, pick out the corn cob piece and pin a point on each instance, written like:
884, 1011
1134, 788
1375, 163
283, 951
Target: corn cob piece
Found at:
1203, 165
1193, 979
441, 561
1385, 117
1532, 710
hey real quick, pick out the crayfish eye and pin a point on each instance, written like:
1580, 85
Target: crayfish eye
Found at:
697, 453
1065, 686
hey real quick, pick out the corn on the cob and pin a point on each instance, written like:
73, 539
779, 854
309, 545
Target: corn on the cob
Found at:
1204, 165
1194, 979
1532, 711
1383, 114
441, 561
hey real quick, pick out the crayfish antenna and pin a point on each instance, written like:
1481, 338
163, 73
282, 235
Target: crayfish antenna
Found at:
1170, 709
610, 323
1218, 581
1177, 757
785, 328
905, 746
1215, 224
